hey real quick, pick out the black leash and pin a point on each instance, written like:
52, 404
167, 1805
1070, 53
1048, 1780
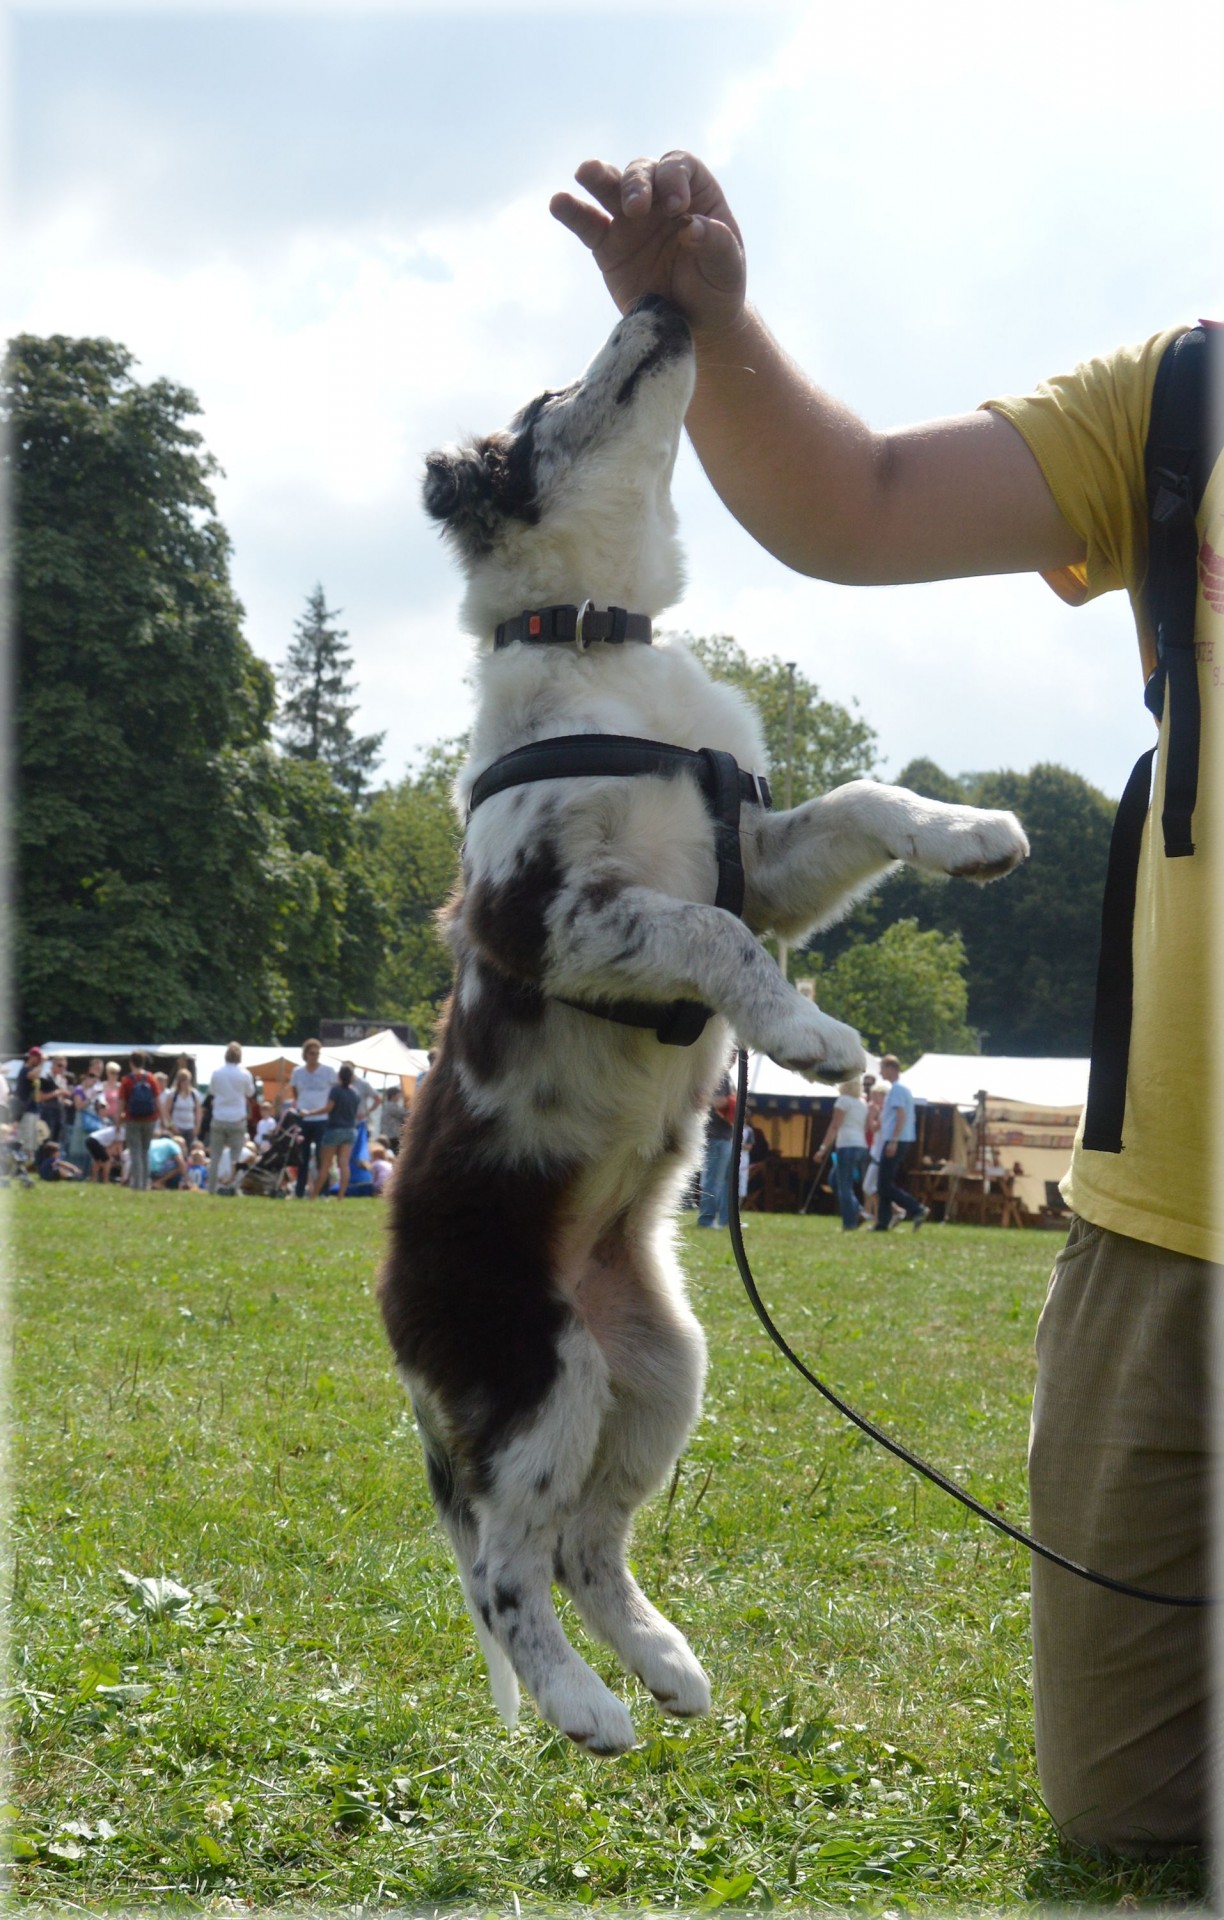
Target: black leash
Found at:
876, 1433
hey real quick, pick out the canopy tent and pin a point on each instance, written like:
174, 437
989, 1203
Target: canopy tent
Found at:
1031, 1112
382, 1054
768, 1081
1027, 1119
956, 1079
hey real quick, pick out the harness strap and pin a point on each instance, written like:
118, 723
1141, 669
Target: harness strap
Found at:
724, 784
594, 755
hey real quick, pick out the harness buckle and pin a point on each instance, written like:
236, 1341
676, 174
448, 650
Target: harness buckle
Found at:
588, 606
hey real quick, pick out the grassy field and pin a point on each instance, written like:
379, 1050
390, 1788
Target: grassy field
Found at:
240, 1671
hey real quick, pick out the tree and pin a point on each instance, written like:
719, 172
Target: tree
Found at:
414, 837
905, 991
829, 744
141, 715
315, 713
333, 919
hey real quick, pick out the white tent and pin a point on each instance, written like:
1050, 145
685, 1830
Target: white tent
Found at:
1031, 1114
382, 1054
956, 1079
767, 1080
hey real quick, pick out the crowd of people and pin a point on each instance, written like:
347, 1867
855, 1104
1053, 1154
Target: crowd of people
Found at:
325, 1131
866, 1149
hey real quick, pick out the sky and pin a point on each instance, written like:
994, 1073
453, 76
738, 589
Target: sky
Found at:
332, 227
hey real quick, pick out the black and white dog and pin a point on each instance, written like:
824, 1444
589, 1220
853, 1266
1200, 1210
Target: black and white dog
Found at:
532, 1294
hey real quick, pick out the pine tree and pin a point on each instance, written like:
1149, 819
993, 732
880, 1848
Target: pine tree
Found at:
315, 712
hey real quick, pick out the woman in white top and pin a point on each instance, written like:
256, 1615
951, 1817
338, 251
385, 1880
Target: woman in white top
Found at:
847, 1132
180, 1109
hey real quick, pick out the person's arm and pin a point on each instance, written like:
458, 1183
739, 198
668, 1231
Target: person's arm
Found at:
814, 484
835, 1119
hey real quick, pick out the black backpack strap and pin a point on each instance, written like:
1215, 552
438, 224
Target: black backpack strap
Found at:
1177, 461
1177, 466
1111, 1020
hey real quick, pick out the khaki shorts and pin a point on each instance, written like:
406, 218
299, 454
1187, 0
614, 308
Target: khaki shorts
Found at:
1120, 1480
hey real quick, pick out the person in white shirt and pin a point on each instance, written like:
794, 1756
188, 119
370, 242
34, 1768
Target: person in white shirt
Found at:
180, 1108
231, 1087
311, 1084
847, 1137
899, 1132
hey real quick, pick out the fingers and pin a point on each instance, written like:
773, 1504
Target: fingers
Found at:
673, 182
602, 182
583, 220
645, 183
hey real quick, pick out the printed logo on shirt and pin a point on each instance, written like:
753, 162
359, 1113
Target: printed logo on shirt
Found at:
1211, 567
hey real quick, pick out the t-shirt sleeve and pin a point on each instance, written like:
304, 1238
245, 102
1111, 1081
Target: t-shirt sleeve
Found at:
1087, 430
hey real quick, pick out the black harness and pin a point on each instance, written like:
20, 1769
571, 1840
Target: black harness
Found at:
725, 787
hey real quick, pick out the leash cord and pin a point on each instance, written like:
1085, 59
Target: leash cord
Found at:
876, 1433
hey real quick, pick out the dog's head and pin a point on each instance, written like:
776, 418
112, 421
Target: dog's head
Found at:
572, 500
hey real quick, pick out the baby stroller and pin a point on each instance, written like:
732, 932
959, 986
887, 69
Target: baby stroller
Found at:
266, 1173
14, 1164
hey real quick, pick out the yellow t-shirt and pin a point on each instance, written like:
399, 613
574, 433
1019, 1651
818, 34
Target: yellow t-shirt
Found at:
1087, 431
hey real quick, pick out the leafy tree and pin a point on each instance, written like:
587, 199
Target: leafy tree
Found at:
414, 837
332, 919
830, 744
315, 712
141, 714
1030, 940
905, 991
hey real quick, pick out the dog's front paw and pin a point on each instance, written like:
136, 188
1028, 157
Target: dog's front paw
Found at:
809, 1042
970, 843
579, 1704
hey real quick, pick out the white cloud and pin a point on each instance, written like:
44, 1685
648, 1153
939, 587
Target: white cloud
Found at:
940, 203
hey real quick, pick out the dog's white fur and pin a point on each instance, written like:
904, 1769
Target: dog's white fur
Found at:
576, 1135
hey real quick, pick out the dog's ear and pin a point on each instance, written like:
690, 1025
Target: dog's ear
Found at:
456, 482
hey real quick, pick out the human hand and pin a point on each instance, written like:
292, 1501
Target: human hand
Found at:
661, 226
890, 1150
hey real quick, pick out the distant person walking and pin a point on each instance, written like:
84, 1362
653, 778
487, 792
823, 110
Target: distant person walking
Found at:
138, 1097
26, 1099
311, 1083
180, 1109
898, 1133
846, 1139
716, 1169
340, 1131
231, 1087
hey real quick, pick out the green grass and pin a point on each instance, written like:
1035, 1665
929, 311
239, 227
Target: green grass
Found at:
202, 1397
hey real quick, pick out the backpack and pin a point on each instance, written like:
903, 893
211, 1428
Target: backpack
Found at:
1183, 444
142, 1100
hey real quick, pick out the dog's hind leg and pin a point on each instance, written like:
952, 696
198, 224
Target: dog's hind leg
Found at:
534, 1482
591, 1566
460, 1526
657, 1399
